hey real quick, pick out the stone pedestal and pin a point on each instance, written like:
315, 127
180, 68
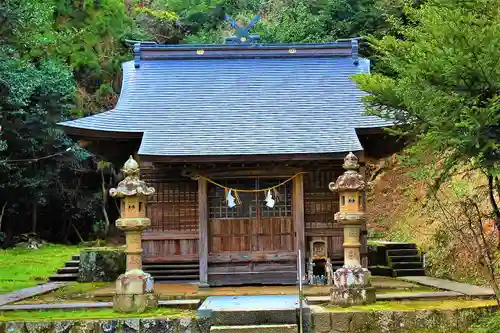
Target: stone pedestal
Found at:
352, 287
134, 292
133, 227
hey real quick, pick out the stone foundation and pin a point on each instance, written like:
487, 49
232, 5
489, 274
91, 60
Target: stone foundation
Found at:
178, 325
352, 296
134, 303
352, 287
417, 321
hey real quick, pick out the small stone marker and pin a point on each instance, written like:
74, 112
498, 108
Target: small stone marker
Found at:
352, 281
134, 288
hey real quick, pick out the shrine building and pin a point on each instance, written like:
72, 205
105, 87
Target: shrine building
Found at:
240, 142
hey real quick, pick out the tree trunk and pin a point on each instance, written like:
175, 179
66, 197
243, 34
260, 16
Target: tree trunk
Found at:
2, 214
34, 216
494, 204
104, 203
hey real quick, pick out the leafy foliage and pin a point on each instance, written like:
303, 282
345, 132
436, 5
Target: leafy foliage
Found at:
440, 84
36, 91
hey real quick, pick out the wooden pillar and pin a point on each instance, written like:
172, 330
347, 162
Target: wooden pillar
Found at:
203, 240
298, 217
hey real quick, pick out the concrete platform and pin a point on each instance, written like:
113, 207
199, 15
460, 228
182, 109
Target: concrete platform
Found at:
462, 288
30, 292
250, 310
187, 291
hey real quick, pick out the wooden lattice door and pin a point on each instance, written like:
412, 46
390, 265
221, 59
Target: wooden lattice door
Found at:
251, 239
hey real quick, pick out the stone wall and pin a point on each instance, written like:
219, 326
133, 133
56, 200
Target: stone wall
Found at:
417, 321
178, 325
101, 264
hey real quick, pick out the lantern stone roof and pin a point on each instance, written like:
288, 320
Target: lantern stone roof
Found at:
350, 180
132, 185
255, 99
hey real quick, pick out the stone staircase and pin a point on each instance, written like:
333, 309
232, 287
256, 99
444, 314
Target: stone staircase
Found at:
173, 271
161, 272
255, 321
404, 259
69, 272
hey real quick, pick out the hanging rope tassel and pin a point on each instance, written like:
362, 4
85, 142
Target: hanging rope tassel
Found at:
230, 199
269, 200
276, 195
237, 196
248, 191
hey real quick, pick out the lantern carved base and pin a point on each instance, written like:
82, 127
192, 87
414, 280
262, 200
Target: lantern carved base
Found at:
134, 292
352, 287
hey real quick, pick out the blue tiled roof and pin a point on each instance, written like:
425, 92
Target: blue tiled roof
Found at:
202, 107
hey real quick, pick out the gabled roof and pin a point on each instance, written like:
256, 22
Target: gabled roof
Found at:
212, 100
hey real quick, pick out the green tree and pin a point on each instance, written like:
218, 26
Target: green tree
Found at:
89, 38
36, 91
440, 84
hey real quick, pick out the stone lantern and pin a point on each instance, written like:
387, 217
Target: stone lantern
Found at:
352, 281
134, 288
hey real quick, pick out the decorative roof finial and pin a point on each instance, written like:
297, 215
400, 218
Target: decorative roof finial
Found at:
354, 51
351, 162
132, 184
242, 33
350, 180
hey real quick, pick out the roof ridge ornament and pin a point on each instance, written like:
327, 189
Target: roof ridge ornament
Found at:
242, 32
354, 53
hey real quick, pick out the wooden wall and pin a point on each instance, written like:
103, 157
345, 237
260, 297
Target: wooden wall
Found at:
320, 207
173, 210
174, 233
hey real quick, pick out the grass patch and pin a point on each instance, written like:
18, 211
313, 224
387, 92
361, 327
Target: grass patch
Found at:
417, 305
77, 289
23, 268
405, 291
50, 315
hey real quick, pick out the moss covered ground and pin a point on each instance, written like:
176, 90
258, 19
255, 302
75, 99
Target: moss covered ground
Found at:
22, 268
75, 291
449, 304
51, 315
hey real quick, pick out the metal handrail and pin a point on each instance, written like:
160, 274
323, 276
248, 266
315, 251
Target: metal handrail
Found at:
299, 260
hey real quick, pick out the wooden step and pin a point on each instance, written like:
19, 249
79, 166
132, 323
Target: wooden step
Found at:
391, 246
68, 270
169, 267
75, 257
174, 273
288, 328
402, 252
414, 258
408, 272
64, 277
252, 273
406, 265
176, 277
73, 263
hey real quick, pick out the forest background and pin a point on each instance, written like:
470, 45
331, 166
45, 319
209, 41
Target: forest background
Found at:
61, 59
